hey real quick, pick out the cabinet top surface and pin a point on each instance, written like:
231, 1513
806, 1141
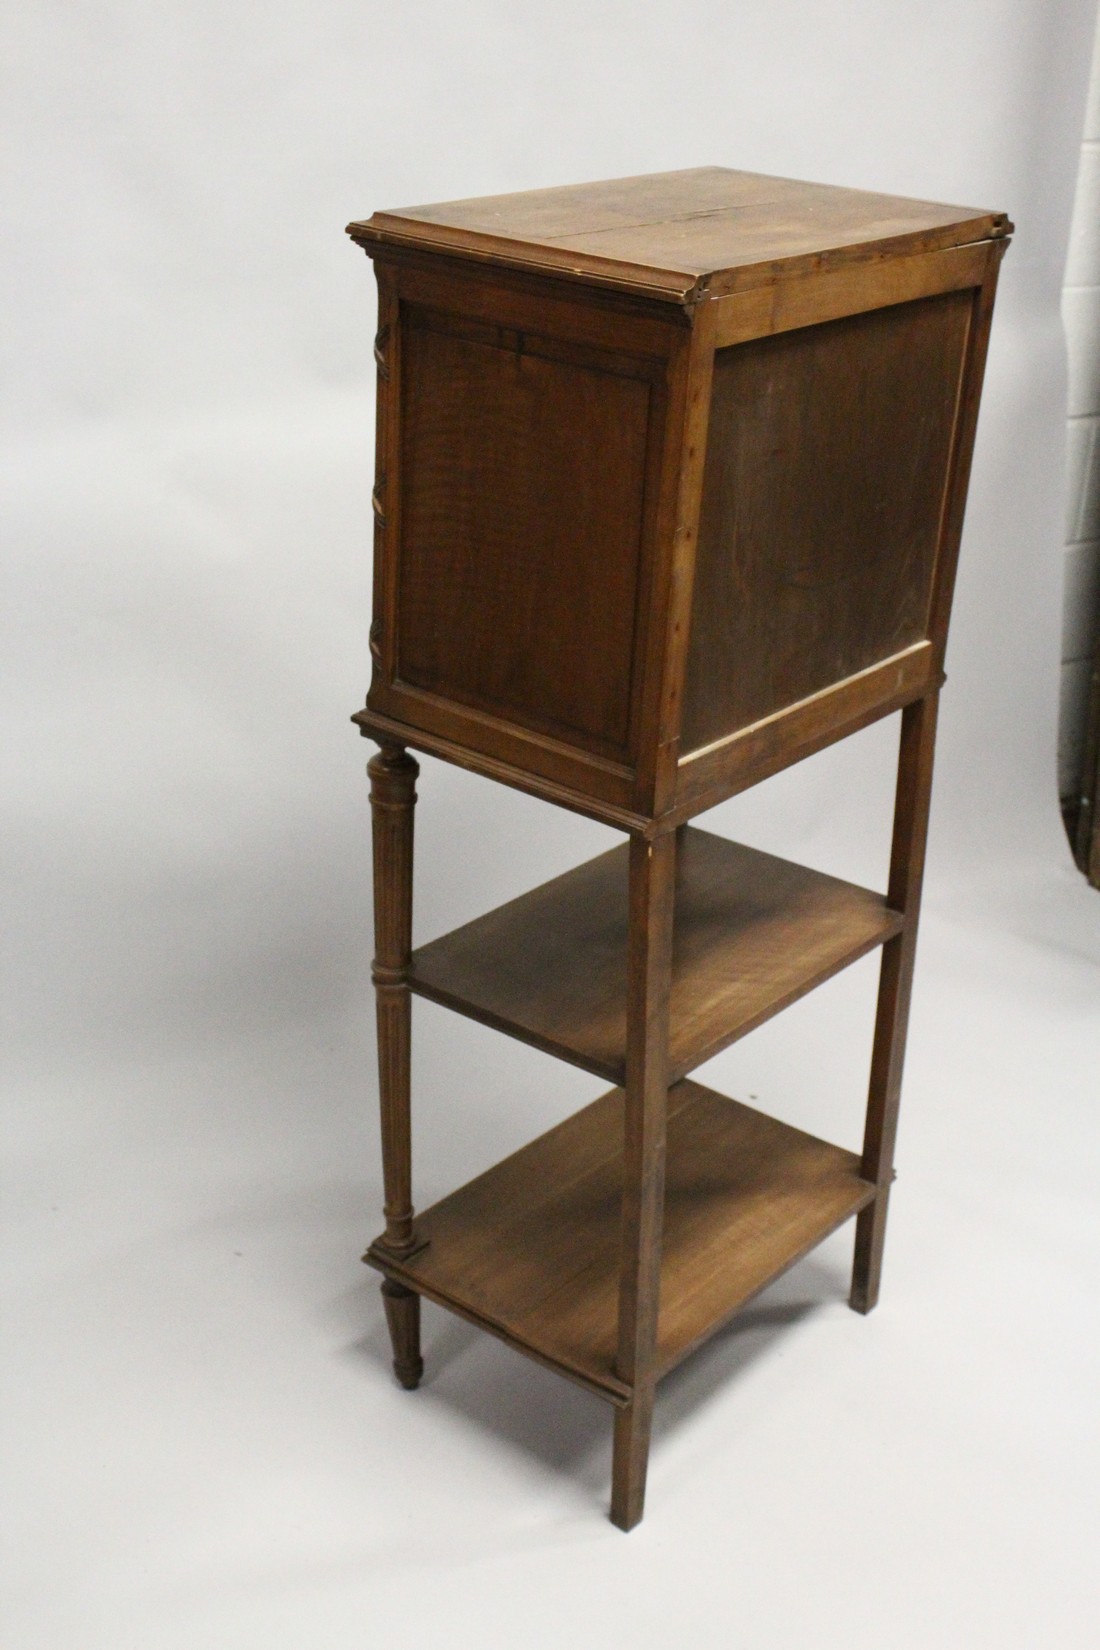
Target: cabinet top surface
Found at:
680, 235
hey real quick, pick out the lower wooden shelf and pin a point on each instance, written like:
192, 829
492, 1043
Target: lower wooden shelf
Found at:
530, 1249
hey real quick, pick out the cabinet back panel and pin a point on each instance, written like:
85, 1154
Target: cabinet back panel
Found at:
827, 464
523, 466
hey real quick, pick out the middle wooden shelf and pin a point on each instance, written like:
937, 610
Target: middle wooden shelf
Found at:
752, 933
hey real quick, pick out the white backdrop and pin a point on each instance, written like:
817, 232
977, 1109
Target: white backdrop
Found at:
205, 1447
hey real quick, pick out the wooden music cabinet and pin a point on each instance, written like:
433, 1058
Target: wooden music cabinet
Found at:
670, 483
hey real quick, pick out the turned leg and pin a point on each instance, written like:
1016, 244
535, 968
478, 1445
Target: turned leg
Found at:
393, 796
914, 792
649, 967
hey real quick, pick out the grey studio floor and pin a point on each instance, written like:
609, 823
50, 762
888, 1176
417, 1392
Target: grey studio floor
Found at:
207, 1447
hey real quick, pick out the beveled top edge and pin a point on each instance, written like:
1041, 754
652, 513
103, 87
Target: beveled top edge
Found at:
681, 235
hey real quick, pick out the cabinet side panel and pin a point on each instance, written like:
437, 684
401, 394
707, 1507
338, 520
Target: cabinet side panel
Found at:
827, 463
522, 482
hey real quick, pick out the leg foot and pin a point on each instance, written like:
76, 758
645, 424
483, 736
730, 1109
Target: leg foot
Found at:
403, 1318
867, 1265
633, 1427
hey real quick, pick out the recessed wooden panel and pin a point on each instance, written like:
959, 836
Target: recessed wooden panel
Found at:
522, 513
827, 465
531, 1249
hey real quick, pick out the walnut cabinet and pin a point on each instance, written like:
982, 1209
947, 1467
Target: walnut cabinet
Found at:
669, 490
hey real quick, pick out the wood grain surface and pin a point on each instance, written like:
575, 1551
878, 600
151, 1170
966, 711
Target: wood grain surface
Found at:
675, 235
826, 472
518, 540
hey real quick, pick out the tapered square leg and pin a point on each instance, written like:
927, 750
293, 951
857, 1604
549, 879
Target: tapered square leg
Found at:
630, 1460
914, 792
649, 969
867, 1265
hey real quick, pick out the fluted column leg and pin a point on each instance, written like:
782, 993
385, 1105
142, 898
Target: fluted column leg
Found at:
393, 797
